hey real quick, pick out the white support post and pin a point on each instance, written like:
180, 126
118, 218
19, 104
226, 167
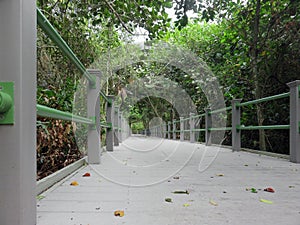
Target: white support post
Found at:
236, 122
94, 143
181, 129
294, 121
120, 126
18, 141
169, 130
116, 126
174, 129
192, 127
208, 124
110, 120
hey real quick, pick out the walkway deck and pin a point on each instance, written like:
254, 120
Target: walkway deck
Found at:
140, 174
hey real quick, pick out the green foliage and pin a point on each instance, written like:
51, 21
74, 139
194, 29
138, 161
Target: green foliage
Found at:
253, 49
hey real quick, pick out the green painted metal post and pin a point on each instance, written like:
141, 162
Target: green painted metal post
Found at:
208, 124
94, 142
294, 121
18, 140
110, 120
192, 127
236, 120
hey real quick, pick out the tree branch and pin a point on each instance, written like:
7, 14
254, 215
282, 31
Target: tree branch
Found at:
118, 16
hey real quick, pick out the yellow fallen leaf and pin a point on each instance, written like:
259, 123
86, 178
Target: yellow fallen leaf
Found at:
119, 213
266, 201
213, 203
74, 183
186, 205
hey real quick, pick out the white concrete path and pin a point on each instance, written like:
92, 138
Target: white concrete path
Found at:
140, 174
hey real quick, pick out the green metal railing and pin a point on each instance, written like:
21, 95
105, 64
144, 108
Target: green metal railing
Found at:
45, 111
236, 127
46, 26
261, 100
220, 110
57, 114
266, 99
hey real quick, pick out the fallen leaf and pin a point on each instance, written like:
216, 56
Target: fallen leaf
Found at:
168, 199
74, 183
213, 203
246, 165
291, 186
176, 178
186, 205
266, 201
119, 213
86, 175
269, 189
220, 175
40, 197
253, 190
181, 192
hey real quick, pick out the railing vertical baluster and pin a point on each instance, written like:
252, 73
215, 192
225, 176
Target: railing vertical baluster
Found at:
208, 124
236, 122
192, 127
120, 125
181, 128
116, 126
294, 121
18, 141
174, 129
94, 143
109, 120
169, 130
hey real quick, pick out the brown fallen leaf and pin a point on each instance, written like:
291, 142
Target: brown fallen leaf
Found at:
119, 213
86, 175
74, 183
220, 175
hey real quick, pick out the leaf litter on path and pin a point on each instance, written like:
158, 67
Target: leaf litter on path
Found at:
74, 183
181, 192
213, 203
119, 213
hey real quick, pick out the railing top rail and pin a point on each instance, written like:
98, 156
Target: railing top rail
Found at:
220, 110
198, 116
46, 26
269, 98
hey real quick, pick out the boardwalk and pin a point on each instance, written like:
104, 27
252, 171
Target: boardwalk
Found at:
142, 173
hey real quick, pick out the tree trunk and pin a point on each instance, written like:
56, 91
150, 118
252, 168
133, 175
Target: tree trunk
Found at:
255, 72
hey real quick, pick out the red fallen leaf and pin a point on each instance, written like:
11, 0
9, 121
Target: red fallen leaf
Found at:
269, 189
86, 175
